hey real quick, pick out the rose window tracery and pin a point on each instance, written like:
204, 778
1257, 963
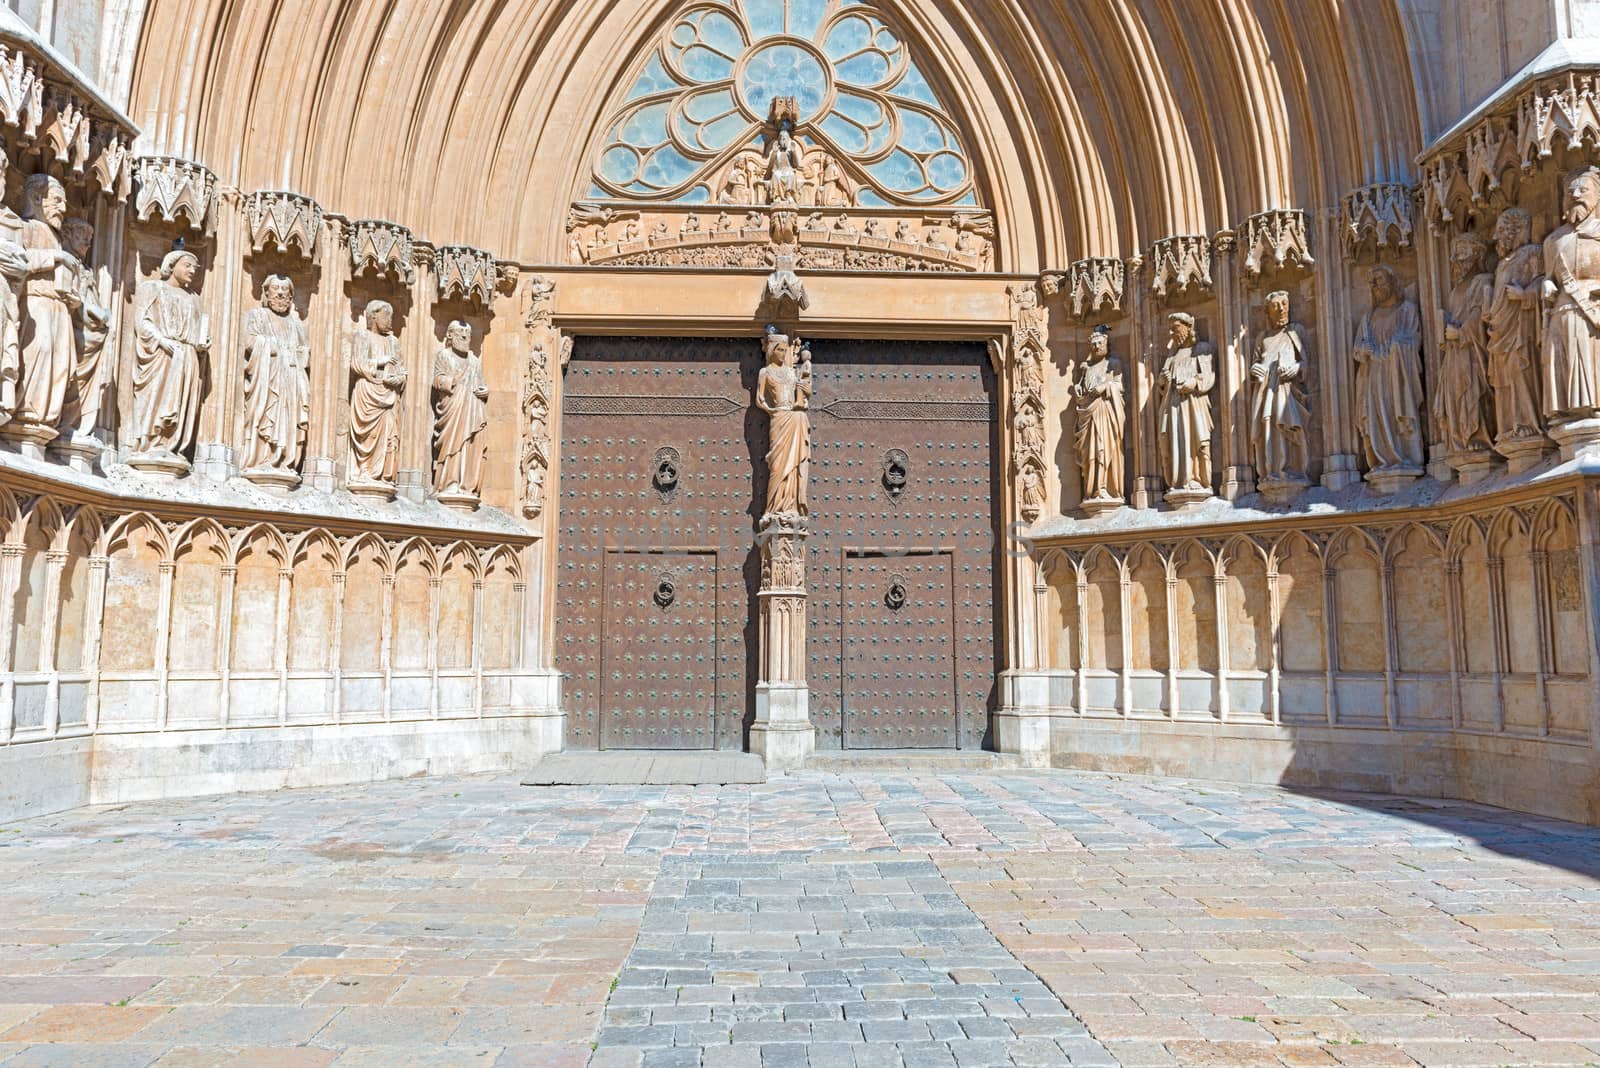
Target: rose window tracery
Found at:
696, 123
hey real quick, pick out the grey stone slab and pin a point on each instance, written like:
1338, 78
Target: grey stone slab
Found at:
655, 769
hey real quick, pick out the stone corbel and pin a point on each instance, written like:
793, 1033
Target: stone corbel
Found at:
1095, 286
384, 248
281, 219
175, 188
1378, 218
1274, 241
465, 272
506, 277
1180, 263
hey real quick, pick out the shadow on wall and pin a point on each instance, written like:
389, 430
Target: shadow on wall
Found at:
1439, 659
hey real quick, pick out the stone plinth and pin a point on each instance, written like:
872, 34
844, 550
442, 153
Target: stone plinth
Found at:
1100, 506
782, 734
1391, 480
1577, 437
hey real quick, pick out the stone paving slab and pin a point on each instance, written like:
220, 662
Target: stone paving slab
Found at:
647, 768
875, 918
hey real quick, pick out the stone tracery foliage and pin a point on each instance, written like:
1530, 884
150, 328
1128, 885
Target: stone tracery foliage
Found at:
868, 127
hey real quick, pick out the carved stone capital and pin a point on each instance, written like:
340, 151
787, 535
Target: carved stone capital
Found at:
465, 272
1180, 263
1378, 218
1275, 240
384, 248
281, 219
175, 189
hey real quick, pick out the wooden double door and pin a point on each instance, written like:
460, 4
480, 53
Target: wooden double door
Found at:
663, 475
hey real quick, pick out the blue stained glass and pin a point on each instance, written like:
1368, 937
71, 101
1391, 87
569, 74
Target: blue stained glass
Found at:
899, 172
869, 68
784, 70
766, 17
968, 201
645, 127
619, 165
866, 112
724, 131
666, 166
845, 134
654, 79
722, 33
947, 171
703, 107
851, 35
915, 87
869, 199
595, 191
704, 65
805, 16
918, 133
698, 195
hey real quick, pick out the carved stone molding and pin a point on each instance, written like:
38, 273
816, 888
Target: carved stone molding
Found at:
1275, 240
384, 248
176, 189
1029, 354
465, 272
1178, 264
1378, 218
545, 344
1095, 286
281, 219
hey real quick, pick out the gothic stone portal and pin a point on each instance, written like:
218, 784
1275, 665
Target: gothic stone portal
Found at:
663, 476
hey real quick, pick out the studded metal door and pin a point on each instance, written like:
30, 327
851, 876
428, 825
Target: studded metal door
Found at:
904, 443
899, 654
658, 669
660, 468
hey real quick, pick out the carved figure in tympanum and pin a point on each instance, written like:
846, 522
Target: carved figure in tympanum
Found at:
783, 391
277, 382
1187, 378
1278, 415
378, 380
173, 339
1101, 417
461, 415
1461, 396
1388, 393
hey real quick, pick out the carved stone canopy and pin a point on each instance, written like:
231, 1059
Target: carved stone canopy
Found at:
281, 219
1378, 217
465, 272
1275, 240
384, 248
1180, 263
65, 120
176, 189
1094, 286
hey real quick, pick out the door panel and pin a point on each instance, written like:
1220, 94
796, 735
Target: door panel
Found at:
659, 453
899, 652
658, 676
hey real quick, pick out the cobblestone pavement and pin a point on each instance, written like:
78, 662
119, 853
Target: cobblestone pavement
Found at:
818, 920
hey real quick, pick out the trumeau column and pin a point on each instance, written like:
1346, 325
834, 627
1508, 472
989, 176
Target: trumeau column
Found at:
224, 292
1142, 491
1340, 465
1233, 393
326, 447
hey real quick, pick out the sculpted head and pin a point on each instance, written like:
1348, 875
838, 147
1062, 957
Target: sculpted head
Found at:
1180, 325
1466, 256
277, 293
1385, 286
776, 347
458, 337
1513, 230
45, 198
179, 267
1099, 343
77, 237
1583, 194
379, 317
1278, 309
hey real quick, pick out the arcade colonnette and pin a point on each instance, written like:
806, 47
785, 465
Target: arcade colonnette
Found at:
1205, 389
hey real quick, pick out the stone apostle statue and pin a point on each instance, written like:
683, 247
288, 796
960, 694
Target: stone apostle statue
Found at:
783, 391
91, 378
1388, 394
277, 381
1460, 397
1514, 323
1572, 327
379, 378
1185, 387
1278, 415
1101, 415
173, 338
460, 415
50, 296
13, 269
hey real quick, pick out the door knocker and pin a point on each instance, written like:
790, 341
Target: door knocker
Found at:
666, 593
665, 478
896, 473
896, 597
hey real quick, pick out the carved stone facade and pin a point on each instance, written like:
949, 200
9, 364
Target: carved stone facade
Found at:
296, 292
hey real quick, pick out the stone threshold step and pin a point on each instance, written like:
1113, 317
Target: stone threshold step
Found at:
913, 760
639, 767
